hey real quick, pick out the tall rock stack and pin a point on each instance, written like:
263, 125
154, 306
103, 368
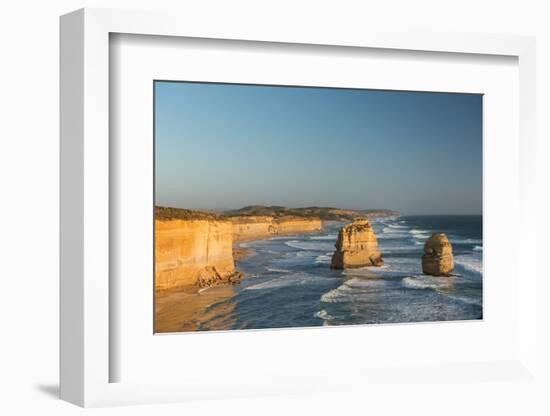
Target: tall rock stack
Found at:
438, 256
356, 246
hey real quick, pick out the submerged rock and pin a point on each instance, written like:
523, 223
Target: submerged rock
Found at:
438, 256
356, 246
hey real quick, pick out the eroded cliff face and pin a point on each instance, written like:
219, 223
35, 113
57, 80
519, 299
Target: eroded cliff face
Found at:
356, 246
194, 252
438, 256
199, 252
256, 227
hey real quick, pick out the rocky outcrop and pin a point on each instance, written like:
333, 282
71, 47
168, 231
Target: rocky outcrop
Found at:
194, 252
257, 227
356, 246
438, 256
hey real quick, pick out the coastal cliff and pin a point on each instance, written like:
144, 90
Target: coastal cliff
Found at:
194, 248
256, 227
356, 246
194, 252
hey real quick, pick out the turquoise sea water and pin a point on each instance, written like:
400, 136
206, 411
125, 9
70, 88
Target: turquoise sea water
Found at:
289, 282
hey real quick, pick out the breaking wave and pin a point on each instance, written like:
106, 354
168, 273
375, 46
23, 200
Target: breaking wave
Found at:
324, 237
286, 280
276, 270
420, 234
427, 282
324, 258
310, 245
470, 263
324, 315
465, 241
352, 289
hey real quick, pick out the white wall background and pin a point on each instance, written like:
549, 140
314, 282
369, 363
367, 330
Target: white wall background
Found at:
29, 210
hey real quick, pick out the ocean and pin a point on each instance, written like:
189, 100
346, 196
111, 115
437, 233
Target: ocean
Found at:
288, 281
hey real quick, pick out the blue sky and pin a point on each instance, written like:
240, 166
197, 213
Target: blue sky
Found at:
224, 146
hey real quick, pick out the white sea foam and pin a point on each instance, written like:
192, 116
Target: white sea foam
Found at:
276, 270
389, 219
392, 266
427, 282
420, 234
402, 247
310, 245
324, 237
337, 295
363, 272
287, 280
352, 289
324, 315
394, 230
390, 236
465, 241
391, 232
397, 226
400, 260
323, 258
365, 283
470, 263
478, 248
271, 284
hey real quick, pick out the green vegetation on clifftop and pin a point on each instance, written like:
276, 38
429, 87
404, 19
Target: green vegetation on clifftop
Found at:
323, 213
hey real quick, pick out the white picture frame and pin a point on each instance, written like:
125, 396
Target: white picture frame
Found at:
85, 212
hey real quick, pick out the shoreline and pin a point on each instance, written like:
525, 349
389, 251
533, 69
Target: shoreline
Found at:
241, 253
191, 301
230, 259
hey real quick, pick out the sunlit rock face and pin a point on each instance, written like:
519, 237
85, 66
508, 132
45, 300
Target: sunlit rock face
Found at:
356, 246
438, 256
194, 252
199, 251
257, 227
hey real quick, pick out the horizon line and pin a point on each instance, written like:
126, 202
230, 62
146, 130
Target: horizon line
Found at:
400, 213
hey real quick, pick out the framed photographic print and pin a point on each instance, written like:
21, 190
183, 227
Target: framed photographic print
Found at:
239, 206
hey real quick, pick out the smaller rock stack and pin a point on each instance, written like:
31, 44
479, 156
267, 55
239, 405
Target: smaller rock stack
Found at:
438, 256
356, 246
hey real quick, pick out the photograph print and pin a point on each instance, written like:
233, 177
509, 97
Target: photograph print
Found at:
294, 207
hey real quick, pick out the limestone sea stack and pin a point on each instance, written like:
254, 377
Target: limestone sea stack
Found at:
438, 256
356, 246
